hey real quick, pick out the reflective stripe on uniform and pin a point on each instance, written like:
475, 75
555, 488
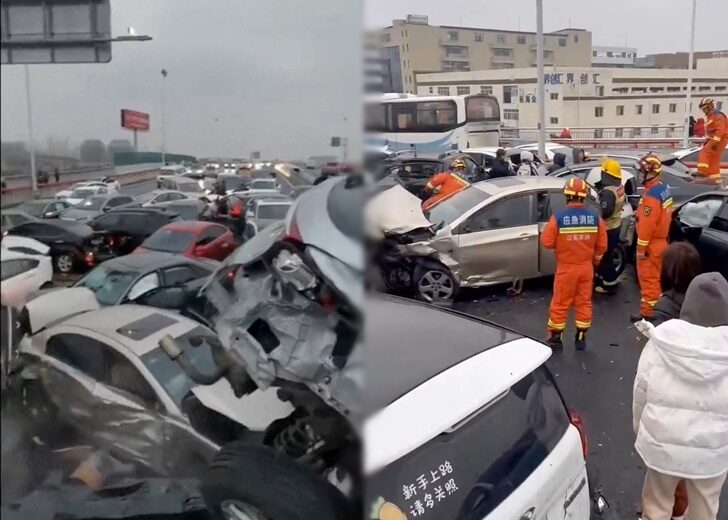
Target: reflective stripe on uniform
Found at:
643, 243
703, 165
716, 138
430, 186
667, 203
583, 324
599, 257
651, 303
573, 230
556, 326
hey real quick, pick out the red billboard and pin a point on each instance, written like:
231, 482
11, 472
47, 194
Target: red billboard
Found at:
134, 120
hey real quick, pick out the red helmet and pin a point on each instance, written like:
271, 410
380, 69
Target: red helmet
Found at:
576, 188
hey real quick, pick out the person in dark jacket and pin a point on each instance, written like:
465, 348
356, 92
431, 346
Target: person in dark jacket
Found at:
680, 264
500, 167
559, 162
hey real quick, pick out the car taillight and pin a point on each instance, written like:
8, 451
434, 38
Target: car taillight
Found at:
575, 419
90, 259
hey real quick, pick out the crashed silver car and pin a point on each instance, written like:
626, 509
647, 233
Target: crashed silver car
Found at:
488, 234
103, 374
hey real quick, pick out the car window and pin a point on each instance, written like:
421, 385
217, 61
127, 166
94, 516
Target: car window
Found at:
162, 197
170, 240
143, 286
206, 237
176, 196
123, 375
59, 206
110, 221
79, 352
453, 207
720, 221
699, 213
507, 213
107, 284
178, 275
17, 266
487, 457
118, 201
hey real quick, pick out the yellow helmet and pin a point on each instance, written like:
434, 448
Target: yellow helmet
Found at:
458, 164
612, 167
706, 102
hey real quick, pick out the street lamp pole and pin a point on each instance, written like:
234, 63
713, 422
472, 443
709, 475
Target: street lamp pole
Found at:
689, 93
31, 144
164, 116
540, 81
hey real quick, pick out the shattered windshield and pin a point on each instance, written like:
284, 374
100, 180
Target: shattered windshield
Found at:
108, 284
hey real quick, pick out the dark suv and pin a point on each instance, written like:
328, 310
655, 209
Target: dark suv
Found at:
413, 172
124, 229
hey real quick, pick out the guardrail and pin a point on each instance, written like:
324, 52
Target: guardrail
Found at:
129, 174
622, 137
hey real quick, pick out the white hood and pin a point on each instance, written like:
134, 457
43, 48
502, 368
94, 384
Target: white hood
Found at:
394, 211
680, 406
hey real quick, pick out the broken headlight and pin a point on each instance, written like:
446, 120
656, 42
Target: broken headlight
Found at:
291, 268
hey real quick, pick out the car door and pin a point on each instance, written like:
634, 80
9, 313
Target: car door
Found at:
548, 203
19, 279
204, 247
713, 243
499, 242
222, 243
79, 373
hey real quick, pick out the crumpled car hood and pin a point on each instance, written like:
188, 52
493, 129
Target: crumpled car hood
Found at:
394, 211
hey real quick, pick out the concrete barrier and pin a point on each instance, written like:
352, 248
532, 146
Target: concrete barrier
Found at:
126, 175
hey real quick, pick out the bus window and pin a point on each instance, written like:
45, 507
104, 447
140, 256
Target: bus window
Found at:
436, 116
405, 121
481, 108
375, 117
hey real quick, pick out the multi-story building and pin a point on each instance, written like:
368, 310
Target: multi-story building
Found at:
587, 97
413, 46
613, 56
677, 60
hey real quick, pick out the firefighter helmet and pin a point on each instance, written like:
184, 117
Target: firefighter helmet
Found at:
706, 102
612, 167
576, 188
458, 164
650, 166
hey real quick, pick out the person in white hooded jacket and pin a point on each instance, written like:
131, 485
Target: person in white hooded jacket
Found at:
680, 405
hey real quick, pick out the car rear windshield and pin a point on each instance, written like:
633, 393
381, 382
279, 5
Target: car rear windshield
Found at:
107, 284
91, 204
170, 241
233, 183
468, 471
450, 209
273, 211
81, 193
263, 184
33, 208
189, 187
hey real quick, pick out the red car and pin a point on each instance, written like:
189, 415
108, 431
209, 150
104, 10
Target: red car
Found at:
193, 239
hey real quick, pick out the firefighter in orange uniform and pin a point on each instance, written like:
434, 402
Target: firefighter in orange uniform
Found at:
445, 184
653, 226
716, 132
579, 237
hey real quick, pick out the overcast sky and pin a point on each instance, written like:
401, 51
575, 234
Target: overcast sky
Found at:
650, 25
278, 76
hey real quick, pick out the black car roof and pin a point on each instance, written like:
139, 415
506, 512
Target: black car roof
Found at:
434, 340
148, 261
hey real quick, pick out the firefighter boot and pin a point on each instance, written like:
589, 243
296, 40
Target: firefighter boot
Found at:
580, 339
554, 340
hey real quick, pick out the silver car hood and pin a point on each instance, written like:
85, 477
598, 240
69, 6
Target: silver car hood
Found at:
394, 211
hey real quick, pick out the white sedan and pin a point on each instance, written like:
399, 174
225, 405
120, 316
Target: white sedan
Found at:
23, 274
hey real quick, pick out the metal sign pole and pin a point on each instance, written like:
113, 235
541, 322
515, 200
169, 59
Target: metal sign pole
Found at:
689, 93
136, 149
164, 117
31, 144
541, 86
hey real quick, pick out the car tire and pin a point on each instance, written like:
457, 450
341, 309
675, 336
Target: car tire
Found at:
64, 263
265, 484
620, 258
434, 284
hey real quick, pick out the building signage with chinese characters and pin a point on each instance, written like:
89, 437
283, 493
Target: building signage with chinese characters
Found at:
571, 78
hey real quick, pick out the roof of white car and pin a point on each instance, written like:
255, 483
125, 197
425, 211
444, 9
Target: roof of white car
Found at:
515, 184
15, 255
137, 327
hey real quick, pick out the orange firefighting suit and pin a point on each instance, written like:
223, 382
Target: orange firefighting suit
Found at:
579, 238
715, 142
653, 226
449, 184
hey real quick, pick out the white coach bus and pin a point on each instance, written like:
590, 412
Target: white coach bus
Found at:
432, 124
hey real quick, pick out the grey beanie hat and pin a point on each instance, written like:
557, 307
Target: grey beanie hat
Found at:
706, 301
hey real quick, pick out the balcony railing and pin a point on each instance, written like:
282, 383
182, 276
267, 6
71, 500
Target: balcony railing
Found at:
501, 59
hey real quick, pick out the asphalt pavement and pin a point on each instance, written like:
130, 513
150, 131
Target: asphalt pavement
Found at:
597, 382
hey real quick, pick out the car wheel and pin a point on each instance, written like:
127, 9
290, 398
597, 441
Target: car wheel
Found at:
434, 284
64, 263
619, 258
254, 482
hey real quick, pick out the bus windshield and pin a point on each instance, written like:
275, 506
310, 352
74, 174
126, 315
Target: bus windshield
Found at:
481, 108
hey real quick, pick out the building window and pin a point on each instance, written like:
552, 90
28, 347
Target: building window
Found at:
501, 38
673, 89
554, 95
462, 91
554, 120
654, 130
386, 37
640, 90
509, 92
478, 37
576, 38
638, 110
598, 111
406, 33
598, 133
673, 108
502, 52
703, 89
443, 91
620, 90
620, 110
521, 40
594, 54
600, 91
657, 89
636, 132
504, 66
406, 45
719, 89
452, 36
719, 105
486, 89
618, 133
656, 109
510, 114
562, 42
609, 54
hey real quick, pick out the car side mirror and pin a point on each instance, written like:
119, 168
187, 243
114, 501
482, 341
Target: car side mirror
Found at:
106, 208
